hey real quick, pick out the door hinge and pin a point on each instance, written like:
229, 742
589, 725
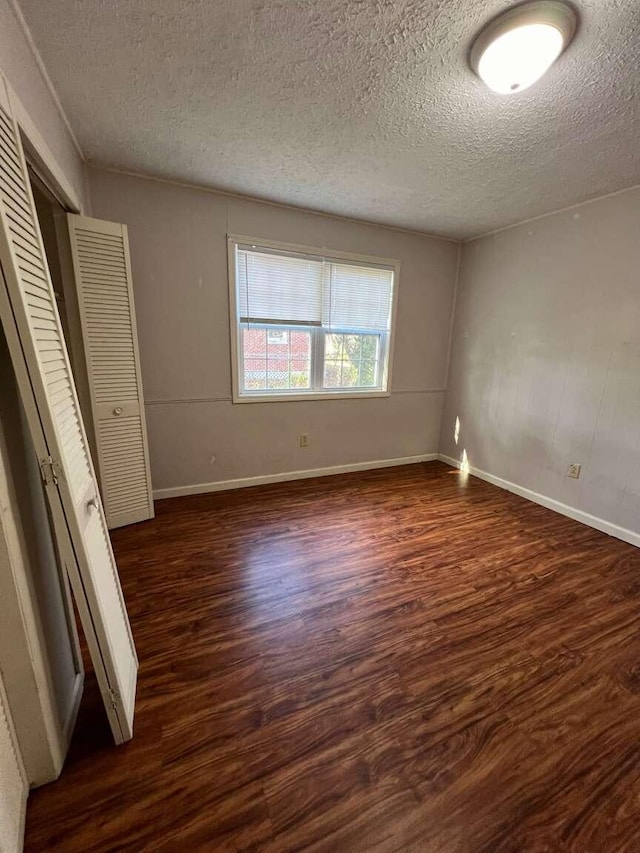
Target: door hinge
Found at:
51, 471
115, 698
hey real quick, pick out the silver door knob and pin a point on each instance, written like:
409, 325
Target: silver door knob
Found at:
118, 410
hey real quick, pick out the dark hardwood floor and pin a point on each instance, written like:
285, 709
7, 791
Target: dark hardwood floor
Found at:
397, 660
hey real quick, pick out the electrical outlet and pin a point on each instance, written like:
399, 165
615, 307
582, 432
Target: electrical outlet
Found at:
574, 470
304, 439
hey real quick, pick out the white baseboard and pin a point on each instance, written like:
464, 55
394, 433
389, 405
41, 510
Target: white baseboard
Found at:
245, 482
564, 509
70, 722
60, 747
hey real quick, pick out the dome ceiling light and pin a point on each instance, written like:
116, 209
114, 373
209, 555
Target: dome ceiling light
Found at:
519, 46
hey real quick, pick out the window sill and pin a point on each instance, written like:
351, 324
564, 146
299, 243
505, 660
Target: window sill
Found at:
291, 398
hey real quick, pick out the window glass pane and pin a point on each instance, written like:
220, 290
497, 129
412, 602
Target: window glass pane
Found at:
277, 337
255, 343
276, 359
255, 373
351, 361
368, 374
332, 370
300, 359
370, 346
333, 346
277, 377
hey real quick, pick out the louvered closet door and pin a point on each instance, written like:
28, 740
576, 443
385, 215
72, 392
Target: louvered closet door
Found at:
102, 268
38, 352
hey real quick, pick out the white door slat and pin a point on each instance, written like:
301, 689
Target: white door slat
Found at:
42, 323
37, 281
43, 313
99, 265
28, 266
118, 313
101, 236
95, 254
15, 201
51, 361
11, 172
89, 241
28, 246
21, 226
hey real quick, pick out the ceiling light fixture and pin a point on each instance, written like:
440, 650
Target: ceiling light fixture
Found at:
519, 46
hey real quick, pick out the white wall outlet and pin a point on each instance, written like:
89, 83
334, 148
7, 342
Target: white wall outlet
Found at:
304, 439
574, 470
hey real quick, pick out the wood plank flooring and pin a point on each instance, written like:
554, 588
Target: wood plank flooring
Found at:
399, 660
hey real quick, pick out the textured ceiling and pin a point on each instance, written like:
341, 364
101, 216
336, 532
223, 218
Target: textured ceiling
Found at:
364, 108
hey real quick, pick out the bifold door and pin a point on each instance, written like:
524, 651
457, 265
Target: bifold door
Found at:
38, 352
102, 268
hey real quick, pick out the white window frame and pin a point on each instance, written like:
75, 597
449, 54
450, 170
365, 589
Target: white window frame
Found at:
317, 341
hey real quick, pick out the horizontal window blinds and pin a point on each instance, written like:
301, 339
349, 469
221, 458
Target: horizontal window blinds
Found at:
359, 298
285, 289
279, 289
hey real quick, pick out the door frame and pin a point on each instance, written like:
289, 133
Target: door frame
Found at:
40, 157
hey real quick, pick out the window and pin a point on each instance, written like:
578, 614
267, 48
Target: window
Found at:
307, 324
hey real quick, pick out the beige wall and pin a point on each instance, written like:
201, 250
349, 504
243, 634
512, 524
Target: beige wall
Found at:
179, 259
18, 64
545, 366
